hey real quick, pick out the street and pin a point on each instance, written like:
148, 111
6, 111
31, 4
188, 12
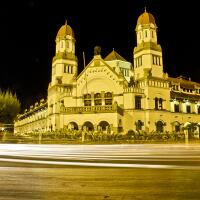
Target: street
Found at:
99, 171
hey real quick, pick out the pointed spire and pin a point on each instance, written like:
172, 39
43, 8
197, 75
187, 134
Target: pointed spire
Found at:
145, 9
113, 49
66, 27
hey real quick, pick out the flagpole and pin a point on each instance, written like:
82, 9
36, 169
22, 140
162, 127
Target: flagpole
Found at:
85, 72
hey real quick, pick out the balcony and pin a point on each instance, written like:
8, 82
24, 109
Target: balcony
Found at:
92, 109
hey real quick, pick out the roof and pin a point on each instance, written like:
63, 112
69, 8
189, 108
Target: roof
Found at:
65, 30
104, 63
181, 95
146, 18
114, 56
184, 83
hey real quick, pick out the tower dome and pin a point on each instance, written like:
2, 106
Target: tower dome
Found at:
146, 18
65, 30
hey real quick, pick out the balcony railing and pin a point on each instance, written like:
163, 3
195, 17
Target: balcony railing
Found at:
93, 109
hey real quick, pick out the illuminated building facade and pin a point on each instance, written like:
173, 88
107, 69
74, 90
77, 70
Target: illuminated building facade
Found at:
112, 93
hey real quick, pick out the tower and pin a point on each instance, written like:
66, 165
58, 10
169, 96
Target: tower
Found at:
148, 53
64, 65
64, 73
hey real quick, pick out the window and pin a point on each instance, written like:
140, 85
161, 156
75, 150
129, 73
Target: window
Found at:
188, 109
159, 127
138, 125
97, 99
71, 69
159, 61
87, 100
158, 103
146, 33
176, 107
154, 60
140, 60
177, 128
152, 34
108, 98
127, 72
65, 69
138, 102
67, 44
198, 109
160, 106
61, 44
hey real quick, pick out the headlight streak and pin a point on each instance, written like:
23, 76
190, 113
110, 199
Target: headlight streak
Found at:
90, 164
131, 156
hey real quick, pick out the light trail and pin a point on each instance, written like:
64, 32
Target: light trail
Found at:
131, 156
89, 164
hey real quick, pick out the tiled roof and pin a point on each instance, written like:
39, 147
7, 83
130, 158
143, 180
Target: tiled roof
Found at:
114, 56
184, 83
181, 95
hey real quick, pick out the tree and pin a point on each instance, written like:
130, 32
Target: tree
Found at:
9, 106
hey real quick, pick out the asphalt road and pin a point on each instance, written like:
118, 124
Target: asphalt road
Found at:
99, 171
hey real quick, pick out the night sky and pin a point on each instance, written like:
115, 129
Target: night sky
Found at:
28, 30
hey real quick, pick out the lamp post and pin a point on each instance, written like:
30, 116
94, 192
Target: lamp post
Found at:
186, 125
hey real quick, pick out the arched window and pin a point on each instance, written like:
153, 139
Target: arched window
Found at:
160, 106
139, 125
188, 108
104, 125
88, 126
108, 98
158, 103
97, 99
146, 33
72, 126
159, 127
177, 128
67, 44
176, 107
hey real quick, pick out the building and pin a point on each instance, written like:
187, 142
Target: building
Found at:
112, 93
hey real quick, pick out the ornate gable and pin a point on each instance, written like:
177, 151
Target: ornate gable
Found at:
99, 76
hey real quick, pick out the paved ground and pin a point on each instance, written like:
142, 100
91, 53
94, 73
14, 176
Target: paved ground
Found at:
98, 183
130, 172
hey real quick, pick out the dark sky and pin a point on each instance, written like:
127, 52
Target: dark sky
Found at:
28, 30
